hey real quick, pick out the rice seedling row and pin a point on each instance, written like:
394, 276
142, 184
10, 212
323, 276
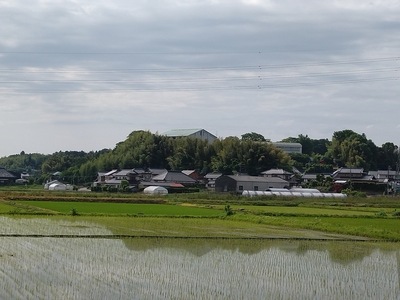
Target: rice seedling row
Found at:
50, 268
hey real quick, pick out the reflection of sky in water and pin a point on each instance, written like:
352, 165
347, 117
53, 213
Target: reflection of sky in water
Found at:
81, 268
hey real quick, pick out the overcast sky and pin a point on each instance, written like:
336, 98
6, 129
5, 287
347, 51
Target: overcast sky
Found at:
82, 75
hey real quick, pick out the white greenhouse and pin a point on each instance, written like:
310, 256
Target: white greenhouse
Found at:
60, 187
295, 193
155, 190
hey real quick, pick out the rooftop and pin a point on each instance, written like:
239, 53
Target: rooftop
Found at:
181, 132
247, 178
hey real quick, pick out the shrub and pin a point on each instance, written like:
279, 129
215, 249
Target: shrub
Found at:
353, 193
228, 210
396, 213
381, 214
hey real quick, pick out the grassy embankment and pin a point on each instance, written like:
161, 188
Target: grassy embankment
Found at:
204, 214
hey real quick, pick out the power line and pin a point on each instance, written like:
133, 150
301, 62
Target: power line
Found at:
245, 77
183, 79
199, 88
210, 68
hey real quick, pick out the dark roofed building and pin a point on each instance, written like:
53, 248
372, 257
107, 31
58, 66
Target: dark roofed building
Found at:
239, 183
155, 171
384, 175
277, 173
210, 179
193, 174
6, 177
349, 173
174, 176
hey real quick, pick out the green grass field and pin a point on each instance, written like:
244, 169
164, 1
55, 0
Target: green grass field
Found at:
296, 210
104, 208
375, 228
6, 208
204, 215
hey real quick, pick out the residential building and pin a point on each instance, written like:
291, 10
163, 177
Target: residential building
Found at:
309, 177
285, 175
350, 174
210, 180
6, 177
155, 171
193, 174
174, 177
383, 175
115, 177
171, 180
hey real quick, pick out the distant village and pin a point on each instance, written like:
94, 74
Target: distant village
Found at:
272, 181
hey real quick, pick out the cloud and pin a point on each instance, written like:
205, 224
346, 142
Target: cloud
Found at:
280, 68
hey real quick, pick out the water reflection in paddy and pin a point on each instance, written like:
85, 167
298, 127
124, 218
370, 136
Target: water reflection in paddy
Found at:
163, 268
77, 268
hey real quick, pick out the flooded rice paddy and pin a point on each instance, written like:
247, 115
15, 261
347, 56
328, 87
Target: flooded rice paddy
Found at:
164, 268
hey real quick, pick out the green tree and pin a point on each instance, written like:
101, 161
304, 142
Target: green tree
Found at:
388, 156
190, 153
351, 149
253, 136
251, 157
309, 146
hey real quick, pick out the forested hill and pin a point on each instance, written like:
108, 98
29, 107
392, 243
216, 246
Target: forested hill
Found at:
143, 149
249, 154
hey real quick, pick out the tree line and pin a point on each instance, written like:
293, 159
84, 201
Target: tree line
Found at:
251, 154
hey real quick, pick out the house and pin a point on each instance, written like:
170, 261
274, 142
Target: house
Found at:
239, 183
116, 177
25, 176
171, 180
350, 174
289, 147
130, 175
142, 174
285, 175
383, 175
358, 179
155, 171
193, 174
6, 177
210, 180
306, 178
192, 133
280, 173
104, 176
174, 177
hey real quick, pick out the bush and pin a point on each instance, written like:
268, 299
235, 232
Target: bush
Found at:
228, 210
396, 213
381, 214
353, 193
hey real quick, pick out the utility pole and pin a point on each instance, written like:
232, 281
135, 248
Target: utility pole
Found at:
396, 178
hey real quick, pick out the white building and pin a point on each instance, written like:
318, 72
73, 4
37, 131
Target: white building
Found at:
289, 147
193, 133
